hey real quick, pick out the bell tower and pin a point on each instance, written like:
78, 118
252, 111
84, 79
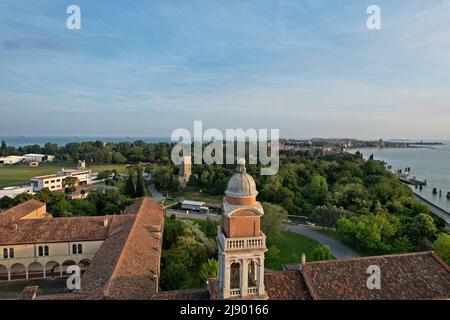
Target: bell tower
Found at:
241, 242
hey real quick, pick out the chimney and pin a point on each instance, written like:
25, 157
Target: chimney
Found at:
105, 222
303, 259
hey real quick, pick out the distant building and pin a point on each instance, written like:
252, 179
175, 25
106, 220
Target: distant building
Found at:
11, 159
55, 182
32, 163
185, 171
194, 206
13, 192
38, 157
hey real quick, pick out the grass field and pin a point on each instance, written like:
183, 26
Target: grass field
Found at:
291, 246
15, 175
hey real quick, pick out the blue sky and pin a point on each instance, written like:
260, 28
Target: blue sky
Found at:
309, 68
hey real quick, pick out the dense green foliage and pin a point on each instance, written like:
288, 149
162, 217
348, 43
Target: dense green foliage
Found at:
98, 202
182, 247
371, 209
442, 246
98, 152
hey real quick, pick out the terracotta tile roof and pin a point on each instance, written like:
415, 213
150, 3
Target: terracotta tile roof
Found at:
127, 265
283, 285
286, 285
54, 230
403, 276
18, 212
190, 294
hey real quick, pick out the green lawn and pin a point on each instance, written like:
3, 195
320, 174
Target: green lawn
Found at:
203, 226
333, 233
291, 246
15, 175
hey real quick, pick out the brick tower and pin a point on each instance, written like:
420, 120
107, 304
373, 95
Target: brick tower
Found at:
241, 243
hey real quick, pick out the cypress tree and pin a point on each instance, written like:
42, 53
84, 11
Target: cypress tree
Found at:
3, 148
129, 188
140, 186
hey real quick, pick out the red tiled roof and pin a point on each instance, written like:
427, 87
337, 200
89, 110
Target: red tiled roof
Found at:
54, 230
190, 294
18, 212
403, 276
127, 265
286, 285
283, 285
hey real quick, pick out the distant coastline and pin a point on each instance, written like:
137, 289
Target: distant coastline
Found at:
20, 141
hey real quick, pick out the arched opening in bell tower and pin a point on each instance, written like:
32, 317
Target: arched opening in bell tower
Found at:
251, 274
235, 275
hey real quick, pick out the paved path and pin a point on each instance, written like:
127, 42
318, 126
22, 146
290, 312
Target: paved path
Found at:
338, 249
435, 209
196, 216
156, 194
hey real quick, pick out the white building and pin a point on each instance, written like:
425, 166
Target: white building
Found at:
13, 192
55, 182
38, 157
195, 206
11, 159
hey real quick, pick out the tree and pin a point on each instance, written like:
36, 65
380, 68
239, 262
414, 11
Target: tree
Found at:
329, 216
174, 276
62, 209
162, 177
272, 220
140, 186
422, 230
70, 182
6, 202
3, 149
318, 189
23, 197
442, 247
129, 187
209, 269
83, 208
322, 252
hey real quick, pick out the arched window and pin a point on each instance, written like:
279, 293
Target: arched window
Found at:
80, 248
40, 251
11, 253
46, 251
5, 253
74, 249
251, 274
235, 275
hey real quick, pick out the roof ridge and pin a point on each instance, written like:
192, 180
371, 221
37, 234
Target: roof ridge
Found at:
373, 257
311, 289
442, 262
120, 260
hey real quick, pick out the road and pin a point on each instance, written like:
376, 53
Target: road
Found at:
156, 194
436, 210
196, 216
338, 249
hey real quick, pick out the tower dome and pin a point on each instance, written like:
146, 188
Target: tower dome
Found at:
241, 184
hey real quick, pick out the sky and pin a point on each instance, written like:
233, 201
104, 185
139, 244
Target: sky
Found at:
309, 68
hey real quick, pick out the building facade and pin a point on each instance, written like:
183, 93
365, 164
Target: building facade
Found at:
55, 182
